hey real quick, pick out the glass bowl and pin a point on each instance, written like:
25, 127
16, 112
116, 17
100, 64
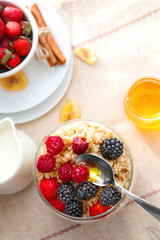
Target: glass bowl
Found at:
112, 210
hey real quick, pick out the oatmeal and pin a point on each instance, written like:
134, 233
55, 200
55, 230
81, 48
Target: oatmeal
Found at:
74, 191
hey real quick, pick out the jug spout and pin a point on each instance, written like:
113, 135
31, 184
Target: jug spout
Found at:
7, 123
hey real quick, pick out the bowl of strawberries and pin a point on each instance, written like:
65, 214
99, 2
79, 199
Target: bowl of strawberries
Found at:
18, 37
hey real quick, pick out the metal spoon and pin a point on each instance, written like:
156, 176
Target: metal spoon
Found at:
107, 177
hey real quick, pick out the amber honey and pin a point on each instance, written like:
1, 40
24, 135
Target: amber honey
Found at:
94, 172
142, 103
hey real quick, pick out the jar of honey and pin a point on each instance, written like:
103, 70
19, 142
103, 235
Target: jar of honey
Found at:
142, 103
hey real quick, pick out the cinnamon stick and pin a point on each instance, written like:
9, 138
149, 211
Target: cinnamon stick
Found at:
50, 40
51, 59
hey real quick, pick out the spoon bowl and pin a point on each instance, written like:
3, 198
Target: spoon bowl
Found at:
107, 177
107, 174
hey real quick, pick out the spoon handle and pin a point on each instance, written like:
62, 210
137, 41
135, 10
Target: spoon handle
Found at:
153, 210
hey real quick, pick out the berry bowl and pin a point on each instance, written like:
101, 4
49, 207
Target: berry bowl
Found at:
18, 37
68, 189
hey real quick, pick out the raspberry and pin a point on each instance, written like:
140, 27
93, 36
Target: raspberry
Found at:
54, 145
79, 145
98, 209
80, 174
56, 203
65, 172
48, 188
46, 163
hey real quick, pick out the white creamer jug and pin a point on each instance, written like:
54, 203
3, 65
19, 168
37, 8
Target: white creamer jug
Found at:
17, 152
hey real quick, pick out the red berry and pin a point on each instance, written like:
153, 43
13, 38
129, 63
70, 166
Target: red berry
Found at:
5, 55
56, 203
65, 172
46, 163
26, 28
98, 209
22, 46
79, 145
12, 14
14, 61
80, 174
5, 43
48, 188
13, 29
2, 29
54, 145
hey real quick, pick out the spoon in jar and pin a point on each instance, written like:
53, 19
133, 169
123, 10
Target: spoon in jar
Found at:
107, 177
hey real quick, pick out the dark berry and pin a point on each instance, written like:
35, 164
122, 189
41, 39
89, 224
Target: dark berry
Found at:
54, 145
65, 172
66, 192
80, 174
79, 145
111, 148
74, 208
109, 196
46, 163
86, 190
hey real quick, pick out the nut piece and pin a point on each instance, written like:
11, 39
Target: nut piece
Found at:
71, 110
15, 82
86, 55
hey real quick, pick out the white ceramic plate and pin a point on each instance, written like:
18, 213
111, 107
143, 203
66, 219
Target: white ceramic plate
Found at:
42, 79
45, 106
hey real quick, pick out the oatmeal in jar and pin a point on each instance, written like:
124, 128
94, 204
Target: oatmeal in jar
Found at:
66, 186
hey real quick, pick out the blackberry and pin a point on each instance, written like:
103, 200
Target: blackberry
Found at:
109, 196
86, 190
74, 208
111, 148
66, 192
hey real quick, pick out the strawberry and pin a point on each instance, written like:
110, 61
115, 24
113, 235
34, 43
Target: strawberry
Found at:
5, 55
10, 13
14, 61
5, 43
26, 28
98, 209
2, 29
1, 8
13, 29
22, 46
